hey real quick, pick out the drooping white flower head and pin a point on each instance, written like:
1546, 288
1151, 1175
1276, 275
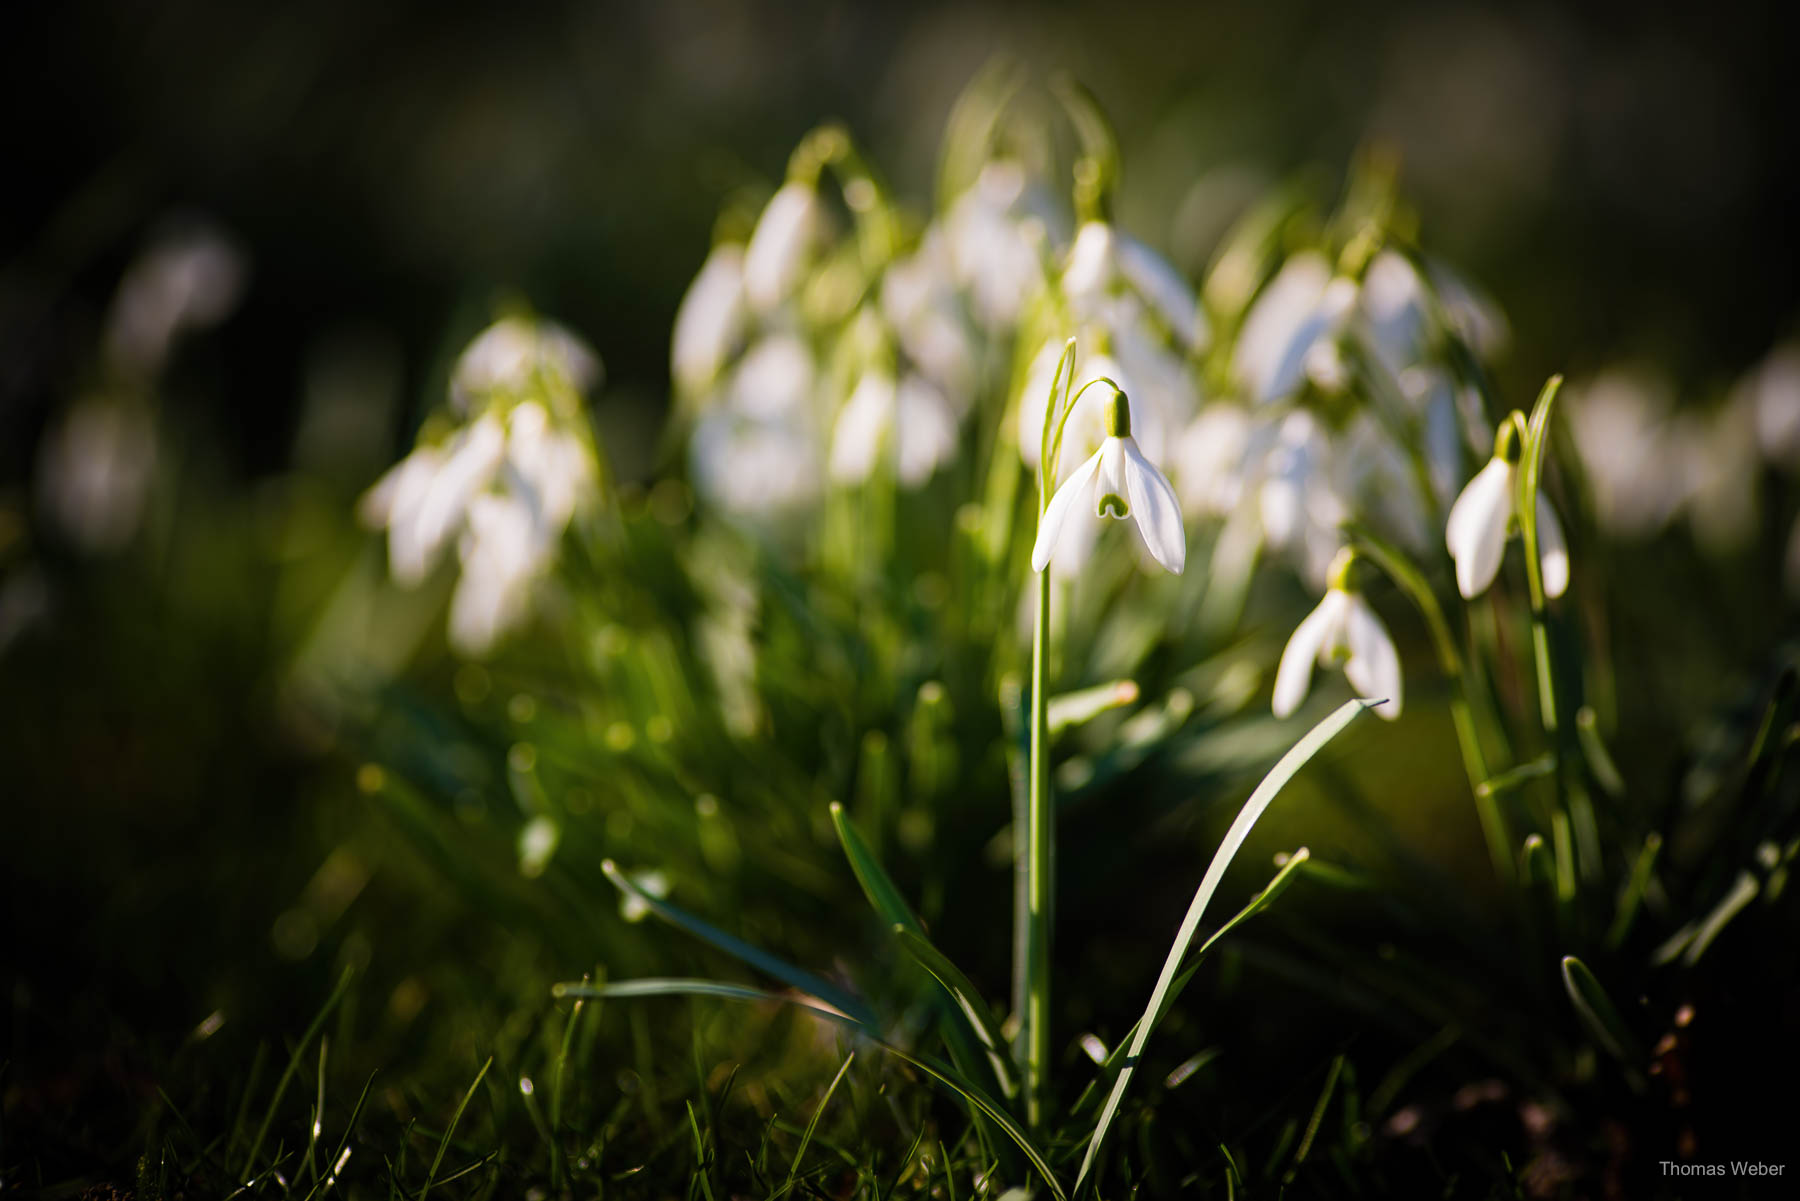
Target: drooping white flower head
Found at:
992, 233
1287, 332
1485, 514
1342, 632
502, 555
1116, 481
710, 319
780, 243
1104, 256
423, 499
911, 415
518, 355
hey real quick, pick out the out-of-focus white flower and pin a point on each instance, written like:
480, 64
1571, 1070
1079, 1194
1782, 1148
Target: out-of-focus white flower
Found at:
1103, 256
780, 244
94, 473
551, 470
424, 498
710, 320
1479, 523
1621, 425
1297, 492
919, 298
187, 280
1342, 632
1117, 481
1373, 471
1210, 459
774, 379
912, 413
518, 355
1718, 473
1776, 391
993, 232
755, 470
1297, 313
502, 555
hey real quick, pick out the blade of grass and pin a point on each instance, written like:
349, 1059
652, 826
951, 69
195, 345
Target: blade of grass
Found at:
293, 1066
813, 1124
885, 896
1290, 871
338, 1155
1283, 771
1634, 889
739, 949
666, 987
1531, 466
1600, 1015
444, 1143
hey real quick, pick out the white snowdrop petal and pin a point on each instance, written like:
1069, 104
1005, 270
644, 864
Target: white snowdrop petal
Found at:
925, 428
778, 246
1373, 668
1553, 549
1157, 280
1074, 495
709, 319
861, 426
1475, 533
1294, 676
1156, 509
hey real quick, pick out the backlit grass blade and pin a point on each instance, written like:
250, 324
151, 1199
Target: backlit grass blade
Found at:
450, 1130
968, 1000
1247, 817
262, 1132
1531, 466
883, 894
813, 1124
739, 949
1600, 1015
1297, 862
992, 1109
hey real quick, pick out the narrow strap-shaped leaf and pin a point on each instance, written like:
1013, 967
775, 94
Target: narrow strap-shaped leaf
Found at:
1601, 1016
1299, 860
813, 1124
450, 1130
968, 1000
943, 1075
963, 1030
1283, 771
757, 958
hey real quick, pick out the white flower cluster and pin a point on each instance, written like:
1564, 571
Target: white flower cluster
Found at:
501, 485
1650, 465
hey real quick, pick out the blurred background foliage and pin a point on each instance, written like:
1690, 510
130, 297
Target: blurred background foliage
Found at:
188, 831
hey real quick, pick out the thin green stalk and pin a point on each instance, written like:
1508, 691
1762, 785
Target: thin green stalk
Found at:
1040, 833
1407, 578
1530, 469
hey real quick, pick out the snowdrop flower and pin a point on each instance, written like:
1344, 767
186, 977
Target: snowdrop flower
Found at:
550, 470
1776, 391
1102, 255
1288, 330
423, 499
913, 413
1298, 493
188, 280
501, 557
519, 354
1118, 481
95, 469
1485, 513
992, 233
920, 301
779, 245
1210, 460
710, 319
1343, 632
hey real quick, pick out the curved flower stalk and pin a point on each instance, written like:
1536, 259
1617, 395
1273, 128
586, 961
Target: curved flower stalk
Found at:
1119, 482
502, 488
1342, 632
1487, 512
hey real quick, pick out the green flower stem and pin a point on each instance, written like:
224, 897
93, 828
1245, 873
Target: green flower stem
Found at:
1487, 807
1530, 468
1040, 831
1039, 864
